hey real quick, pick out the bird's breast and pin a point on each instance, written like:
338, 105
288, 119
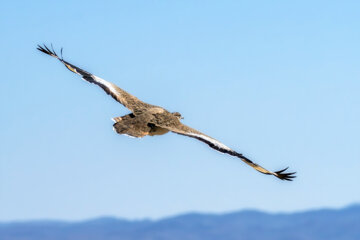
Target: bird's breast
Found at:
157, 131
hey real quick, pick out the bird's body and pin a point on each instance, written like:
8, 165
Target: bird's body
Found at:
141, 125
147, 119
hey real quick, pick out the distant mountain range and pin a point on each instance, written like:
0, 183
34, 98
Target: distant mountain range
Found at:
327, 224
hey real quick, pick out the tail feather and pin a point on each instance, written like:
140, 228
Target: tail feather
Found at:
116, 119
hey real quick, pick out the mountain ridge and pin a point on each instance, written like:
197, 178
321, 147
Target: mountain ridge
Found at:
339, 224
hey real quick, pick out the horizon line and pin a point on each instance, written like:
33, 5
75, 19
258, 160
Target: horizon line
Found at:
149, 219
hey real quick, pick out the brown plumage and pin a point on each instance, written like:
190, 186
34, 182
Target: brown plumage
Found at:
147, 119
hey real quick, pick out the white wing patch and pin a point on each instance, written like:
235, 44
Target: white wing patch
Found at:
209, 139
105, 83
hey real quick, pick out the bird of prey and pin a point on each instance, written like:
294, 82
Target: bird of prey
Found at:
146, 119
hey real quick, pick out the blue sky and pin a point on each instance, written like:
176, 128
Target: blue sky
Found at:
275, 80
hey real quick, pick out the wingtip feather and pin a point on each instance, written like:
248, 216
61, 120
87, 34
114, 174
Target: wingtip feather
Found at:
47, 51
285, 176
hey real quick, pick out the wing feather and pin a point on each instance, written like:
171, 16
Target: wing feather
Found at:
129, 101
217, 145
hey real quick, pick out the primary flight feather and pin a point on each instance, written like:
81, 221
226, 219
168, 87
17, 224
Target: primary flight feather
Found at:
147, 119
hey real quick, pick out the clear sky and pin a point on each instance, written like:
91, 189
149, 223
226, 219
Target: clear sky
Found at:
278, 81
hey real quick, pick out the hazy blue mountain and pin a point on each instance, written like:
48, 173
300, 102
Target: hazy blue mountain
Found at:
343, 224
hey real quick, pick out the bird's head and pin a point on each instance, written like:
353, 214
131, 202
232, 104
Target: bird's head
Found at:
178, 115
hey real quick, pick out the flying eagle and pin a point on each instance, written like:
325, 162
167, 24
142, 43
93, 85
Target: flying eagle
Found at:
147, 119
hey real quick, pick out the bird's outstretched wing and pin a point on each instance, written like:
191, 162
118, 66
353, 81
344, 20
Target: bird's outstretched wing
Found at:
123, 97
215, 144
